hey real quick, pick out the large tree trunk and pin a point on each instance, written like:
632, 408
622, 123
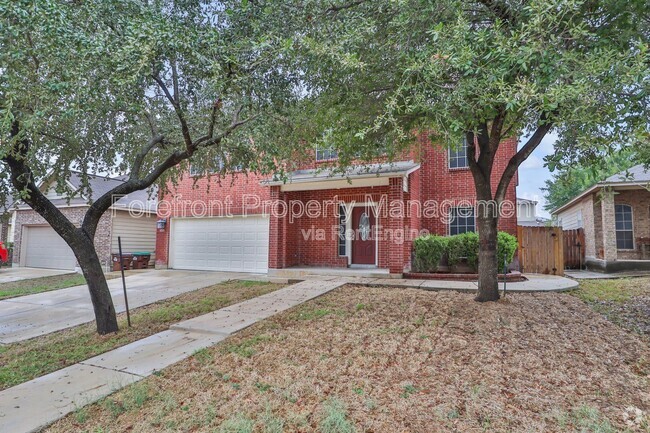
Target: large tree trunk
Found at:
488, 268
100, 295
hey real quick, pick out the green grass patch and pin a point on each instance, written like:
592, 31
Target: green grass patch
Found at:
246, 348
335, 418
612, 290
39, 285
26, 360
312, 313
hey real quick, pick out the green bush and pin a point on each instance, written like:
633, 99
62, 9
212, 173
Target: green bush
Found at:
461, 246
428, 250
506, 247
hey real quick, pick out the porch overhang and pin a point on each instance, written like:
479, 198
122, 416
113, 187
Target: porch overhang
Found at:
352, 177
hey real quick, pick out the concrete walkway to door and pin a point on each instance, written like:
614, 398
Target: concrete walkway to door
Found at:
43, 313
32, 405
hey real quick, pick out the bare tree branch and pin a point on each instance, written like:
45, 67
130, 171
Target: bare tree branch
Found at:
179, 112
516, 160
213, 119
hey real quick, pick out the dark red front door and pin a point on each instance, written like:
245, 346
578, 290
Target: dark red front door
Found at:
363, 244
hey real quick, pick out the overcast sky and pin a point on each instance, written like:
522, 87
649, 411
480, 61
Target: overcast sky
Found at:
533, 173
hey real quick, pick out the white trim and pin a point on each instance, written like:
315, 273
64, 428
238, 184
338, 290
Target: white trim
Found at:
348, 226
449, 149
329, 183
577, 198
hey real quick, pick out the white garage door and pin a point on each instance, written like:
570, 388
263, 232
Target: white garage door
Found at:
239, 244
44, 248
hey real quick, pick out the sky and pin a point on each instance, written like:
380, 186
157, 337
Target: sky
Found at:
533, 173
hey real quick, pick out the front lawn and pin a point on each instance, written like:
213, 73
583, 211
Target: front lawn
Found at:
624, 301
44, 284
25, 360
399, 360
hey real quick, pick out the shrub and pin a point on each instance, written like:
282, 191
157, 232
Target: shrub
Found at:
506, 247
461, 246
428, 250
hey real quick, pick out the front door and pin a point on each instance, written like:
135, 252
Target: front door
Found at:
363, 244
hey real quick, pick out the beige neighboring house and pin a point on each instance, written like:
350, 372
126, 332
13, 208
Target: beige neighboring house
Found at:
615, 216
133, 218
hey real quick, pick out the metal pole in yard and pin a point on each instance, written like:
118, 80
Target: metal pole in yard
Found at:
126, 299
505, 276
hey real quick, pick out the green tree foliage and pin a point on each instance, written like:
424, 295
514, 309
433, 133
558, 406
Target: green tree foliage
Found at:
137, 88
571, 180
378, 72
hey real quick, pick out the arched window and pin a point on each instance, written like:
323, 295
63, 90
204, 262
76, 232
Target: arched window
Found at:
624, 227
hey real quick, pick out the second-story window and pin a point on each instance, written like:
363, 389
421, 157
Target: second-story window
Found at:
458, 156
323, 154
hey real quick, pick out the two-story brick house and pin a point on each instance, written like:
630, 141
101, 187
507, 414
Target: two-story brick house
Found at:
365, 218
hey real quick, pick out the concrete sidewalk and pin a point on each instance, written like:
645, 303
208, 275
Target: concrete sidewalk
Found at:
43, 313
32, 405
535, 283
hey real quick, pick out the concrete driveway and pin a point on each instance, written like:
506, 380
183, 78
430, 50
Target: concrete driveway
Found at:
7, 275
33, 315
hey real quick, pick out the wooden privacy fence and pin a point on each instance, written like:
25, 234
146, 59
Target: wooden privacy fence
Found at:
541, 250
574, 248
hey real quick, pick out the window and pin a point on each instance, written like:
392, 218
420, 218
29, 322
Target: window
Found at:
458, 156
326, 153
463, 220
342, 239
624, 230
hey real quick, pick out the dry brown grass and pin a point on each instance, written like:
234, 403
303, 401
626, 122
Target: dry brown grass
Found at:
26, 360
399, 360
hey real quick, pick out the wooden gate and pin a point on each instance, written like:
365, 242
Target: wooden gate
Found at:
541, 250
574, 248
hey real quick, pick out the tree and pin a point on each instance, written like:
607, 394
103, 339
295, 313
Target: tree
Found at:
378, 72
136, 88
570, 181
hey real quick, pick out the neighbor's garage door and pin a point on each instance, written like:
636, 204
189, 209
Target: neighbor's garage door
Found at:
44, 248
238, 244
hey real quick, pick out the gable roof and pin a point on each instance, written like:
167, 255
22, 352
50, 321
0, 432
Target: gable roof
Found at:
100, 185
635, 176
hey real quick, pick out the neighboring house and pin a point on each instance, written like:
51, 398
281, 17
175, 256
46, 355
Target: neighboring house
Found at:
256, 224
5, 219
615, 216
133, 218
527, 214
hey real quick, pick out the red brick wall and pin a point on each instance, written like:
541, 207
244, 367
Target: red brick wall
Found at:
433, 181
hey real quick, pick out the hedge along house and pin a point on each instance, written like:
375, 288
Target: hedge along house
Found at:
133, 218
255, 224
615, 216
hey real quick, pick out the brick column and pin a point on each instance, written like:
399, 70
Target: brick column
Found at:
277, 232
589, 223
609, 226
394, 243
